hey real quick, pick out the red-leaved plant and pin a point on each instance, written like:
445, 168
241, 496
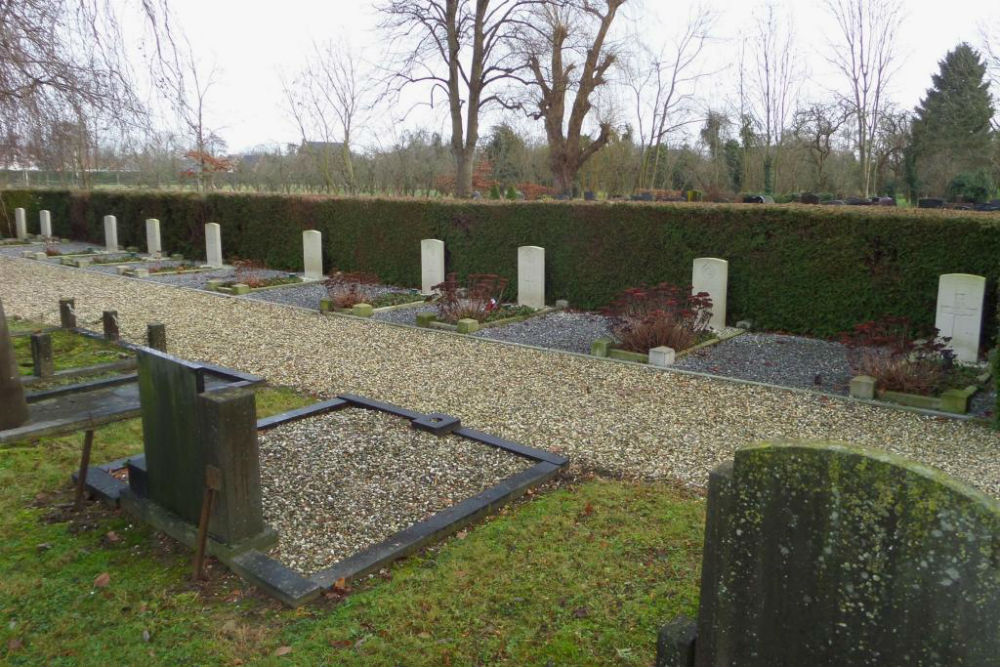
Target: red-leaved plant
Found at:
886, 350
481, 296
250, 272
347, 289
648, 317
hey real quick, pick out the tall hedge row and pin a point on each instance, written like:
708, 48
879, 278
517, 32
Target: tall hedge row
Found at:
811, 270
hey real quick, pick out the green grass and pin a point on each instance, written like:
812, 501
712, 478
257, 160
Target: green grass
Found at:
580, 574
69, 350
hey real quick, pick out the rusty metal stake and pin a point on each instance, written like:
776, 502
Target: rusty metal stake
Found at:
213, 483
81, 478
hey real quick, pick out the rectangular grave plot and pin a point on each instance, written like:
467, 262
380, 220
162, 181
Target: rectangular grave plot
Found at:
351, 485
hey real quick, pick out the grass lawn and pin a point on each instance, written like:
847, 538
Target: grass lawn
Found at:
69, 350
579, 573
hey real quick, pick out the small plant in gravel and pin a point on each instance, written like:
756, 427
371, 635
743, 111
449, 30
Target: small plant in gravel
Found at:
478, 300
253, 274
886, 350
347, 289
52, 251
662, 315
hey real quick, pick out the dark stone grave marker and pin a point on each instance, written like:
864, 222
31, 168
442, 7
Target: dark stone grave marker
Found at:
825, 555
13, 406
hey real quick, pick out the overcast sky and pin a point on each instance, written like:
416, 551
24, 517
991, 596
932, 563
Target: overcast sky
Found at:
251, 42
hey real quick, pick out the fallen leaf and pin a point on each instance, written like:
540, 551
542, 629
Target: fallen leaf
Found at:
340, 586
462, 534
588, 510
283, 650
102, 580
14, 644
424, 635
112, 537
580, 612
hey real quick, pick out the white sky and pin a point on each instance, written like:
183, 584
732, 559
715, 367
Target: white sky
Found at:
252, 41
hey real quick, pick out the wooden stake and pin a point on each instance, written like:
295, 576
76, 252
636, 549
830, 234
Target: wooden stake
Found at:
213, 483
81, 478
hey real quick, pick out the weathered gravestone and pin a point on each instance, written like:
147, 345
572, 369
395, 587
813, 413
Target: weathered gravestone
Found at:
13, 407
213, 245
153, 245
45, 224
531, 276
431, 264
110, 233
187, 428
711, 275
960, 313
826, 555
312, 254
20, 224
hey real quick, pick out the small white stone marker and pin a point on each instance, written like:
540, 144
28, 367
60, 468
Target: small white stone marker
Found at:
960, 313
153, 245
312, 254
45, 224
531, 276
710, 274
431, 264
662, 356
20, 224
213, 245
111, 233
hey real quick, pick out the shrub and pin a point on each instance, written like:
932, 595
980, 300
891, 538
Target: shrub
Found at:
886, 350
972, 186
51, 250
250, 272
477, 301
668, 315
347, 289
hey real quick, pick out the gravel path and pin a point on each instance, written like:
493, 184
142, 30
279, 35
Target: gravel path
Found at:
341, 482
616, 418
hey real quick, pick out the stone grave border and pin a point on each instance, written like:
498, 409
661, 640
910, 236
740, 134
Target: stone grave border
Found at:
954, 401
604, 348
239, 289
468, 326
366, 309
293, 588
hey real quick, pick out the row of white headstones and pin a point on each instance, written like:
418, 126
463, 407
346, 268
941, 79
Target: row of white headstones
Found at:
960, 297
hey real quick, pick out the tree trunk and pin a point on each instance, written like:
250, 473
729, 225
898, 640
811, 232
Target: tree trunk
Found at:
464, 162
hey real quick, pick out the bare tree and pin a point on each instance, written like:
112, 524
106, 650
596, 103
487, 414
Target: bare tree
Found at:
463, 50
773, 80
570, 37
328, 99
816, 126
865, 56
662, 83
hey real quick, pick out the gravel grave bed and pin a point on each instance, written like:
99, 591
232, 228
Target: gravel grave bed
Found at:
37, 246
341, 482
612, 418
309, 295
561, 330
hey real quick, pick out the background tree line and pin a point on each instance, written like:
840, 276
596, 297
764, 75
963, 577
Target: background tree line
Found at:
543, 97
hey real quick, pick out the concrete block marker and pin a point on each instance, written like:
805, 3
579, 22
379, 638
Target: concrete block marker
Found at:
662, 356
960, 313
710, 274
153, 245
531, 276
110, 233
431, 264
20, 224
213, 245
45, 224
312, 254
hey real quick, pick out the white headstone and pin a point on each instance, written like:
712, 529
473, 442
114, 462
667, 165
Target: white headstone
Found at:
711, 275
531, 276
45, 223
20, 224
153, 246
111, 232
960, 313
213, 245
312, 254
431, 264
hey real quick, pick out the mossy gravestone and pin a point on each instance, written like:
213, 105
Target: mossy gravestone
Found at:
825, 555
186, 428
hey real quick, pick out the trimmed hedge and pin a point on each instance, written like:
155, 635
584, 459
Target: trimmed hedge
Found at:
809, 270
